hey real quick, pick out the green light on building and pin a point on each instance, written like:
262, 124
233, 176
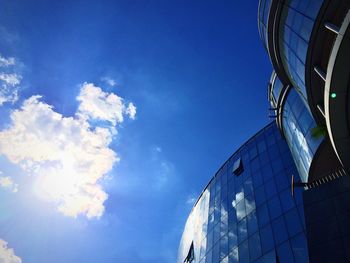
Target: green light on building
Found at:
333, 95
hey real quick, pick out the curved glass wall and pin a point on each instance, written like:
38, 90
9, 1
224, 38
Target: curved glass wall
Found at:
276, 89
247, 213
296, 24
297, 125
264, 8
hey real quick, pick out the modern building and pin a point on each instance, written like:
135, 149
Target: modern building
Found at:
284, 196
247, 213
308, 42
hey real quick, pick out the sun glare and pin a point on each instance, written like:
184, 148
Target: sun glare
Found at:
57, 182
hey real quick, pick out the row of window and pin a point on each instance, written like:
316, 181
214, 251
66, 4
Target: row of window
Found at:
298, 125
288, 246
296, 24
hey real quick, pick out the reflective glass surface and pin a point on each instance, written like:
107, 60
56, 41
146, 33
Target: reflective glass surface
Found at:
296, 24
298, 124
264, 8
276, 89
251, 217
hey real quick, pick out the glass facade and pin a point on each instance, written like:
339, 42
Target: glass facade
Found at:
296, 24
277, 87
264, 8
297, 125
249, 216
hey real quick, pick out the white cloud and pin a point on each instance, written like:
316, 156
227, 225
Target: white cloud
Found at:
7, 183
67, 155
131, 111
5, 62
7, 255
9, 80
96, 104
111, 82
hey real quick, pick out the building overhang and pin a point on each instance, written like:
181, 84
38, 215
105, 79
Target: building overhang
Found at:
318, 54
337, 94
324, 162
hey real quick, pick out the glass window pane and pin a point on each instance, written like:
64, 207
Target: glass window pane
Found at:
266, 172
279, 230
253, 152
216, 252
248, 187
242, 230
233, 257
261, 146
268, 258
264, 158
224, 260
277, 166
284, 253
232, 236
287, 200
224, 226
209, 240
260, 195
267, 240
270, 189
263, 215
240, 209
249, 204
275, 207
293, 222
223, 246
254, 247
232, 218
257, 179
216, 232
299, 247
252, 223
209, 257
281, 180
243, 252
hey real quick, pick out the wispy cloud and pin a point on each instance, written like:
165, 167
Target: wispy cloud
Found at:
67, 155
191, 200
7, 183
109, 81
164, 170
7, 255
8, 38
10, 80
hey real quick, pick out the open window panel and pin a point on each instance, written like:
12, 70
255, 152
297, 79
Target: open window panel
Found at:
237, 167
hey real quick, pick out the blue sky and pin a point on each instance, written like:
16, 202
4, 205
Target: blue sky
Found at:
139, 103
